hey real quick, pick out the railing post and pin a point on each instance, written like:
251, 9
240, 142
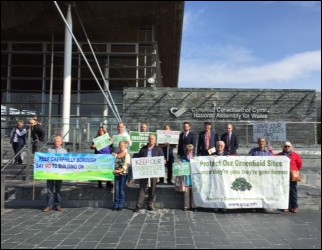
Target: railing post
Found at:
29, 152
3, 186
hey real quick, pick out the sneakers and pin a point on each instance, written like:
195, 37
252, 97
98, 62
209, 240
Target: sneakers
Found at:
46, 209
150, 208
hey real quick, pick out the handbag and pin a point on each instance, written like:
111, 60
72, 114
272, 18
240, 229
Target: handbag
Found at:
179, 184
295, 175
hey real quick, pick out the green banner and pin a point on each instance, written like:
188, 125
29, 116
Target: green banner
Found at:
139, 139
102, 141
180, 169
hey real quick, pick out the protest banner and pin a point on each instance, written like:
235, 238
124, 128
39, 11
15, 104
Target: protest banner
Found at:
168, 136
148, 167
102, 141
241, 181
118, 138
272, 131
181, 169
139, 139
80, 167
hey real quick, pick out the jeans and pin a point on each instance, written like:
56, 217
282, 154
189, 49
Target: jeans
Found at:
54, 198
293, 195
120, 184
16, 148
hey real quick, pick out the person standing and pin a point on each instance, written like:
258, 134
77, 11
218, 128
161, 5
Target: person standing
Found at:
230, 139
296, 164
107, 150
54, 186
220, 151
185, 138
37, 135
169, 157
150, 150
18, 140
131, 181
262, 149
121, 132
207, 140
122, 163
188, 202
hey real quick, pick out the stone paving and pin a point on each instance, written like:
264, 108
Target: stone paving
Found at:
101, 228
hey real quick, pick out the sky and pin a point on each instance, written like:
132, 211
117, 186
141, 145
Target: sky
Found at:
251, 44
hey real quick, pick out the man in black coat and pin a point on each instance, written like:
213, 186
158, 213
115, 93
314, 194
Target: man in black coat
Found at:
231, 140
207, 140
185, 138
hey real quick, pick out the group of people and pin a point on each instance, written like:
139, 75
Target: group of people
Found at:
18, 137
189, 145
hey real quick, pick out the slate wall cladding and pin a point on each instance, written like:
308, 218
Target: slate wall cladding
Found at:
242, 107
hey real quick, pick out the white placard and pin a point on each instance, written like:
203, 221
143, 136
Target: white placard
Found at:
272, 131
168, 136
148, 167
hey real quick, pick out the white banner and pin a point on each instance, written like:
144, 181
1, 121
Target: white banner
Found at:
241, 181
168, 136
148, 167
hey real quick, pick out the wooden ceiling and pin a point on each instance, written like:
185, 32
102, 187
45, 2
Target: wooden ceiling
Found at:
104, 21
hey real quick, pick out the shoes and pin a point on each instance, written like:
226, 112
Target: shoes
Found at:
59, 209
136, 210
170, 183
184, 209
159, 182
295, 210
150, 208
114, 209
285, 210
194, 209
119, 209
46, 209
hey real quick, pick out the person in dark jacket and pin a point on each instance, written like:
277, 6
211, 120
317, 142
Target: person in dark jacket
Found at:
150, 150
185, 138
37, 134
207, 140
230, 139
18, 140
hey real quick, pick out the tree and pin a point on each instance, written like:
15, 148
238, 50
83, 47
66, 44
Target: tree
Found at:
241, 184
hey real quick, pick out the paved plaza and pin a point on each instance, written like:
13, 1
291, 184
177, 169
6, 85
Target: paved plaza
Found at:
101, 228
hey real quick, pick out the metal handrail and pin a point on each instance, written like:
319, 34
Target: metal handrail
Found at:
26, 148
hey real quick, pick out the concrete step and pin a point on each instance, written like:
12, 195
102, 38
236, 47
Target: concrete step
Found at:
87, 194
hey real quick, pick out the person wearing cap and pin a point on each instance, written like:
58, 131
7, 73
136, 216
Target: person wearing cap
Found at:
262, 149
207, 140
296, 163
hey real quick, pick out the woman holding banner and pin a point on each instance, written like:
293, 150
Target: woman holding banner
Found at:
122, 164
188, 195
107, 150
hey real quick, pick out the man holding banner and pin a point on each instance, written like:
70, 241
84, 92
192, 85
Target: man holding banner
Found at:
148, 151
54, 198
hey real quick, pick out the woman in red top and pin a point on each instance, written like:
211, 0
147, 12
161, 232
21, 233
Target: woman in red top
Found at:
295, 164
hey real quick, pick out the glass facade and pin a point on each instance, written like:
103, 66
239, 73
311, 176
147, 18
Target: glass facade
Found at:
28, 70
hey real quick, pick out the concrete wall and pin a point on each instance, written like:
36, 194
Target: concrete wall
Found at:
159, 106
